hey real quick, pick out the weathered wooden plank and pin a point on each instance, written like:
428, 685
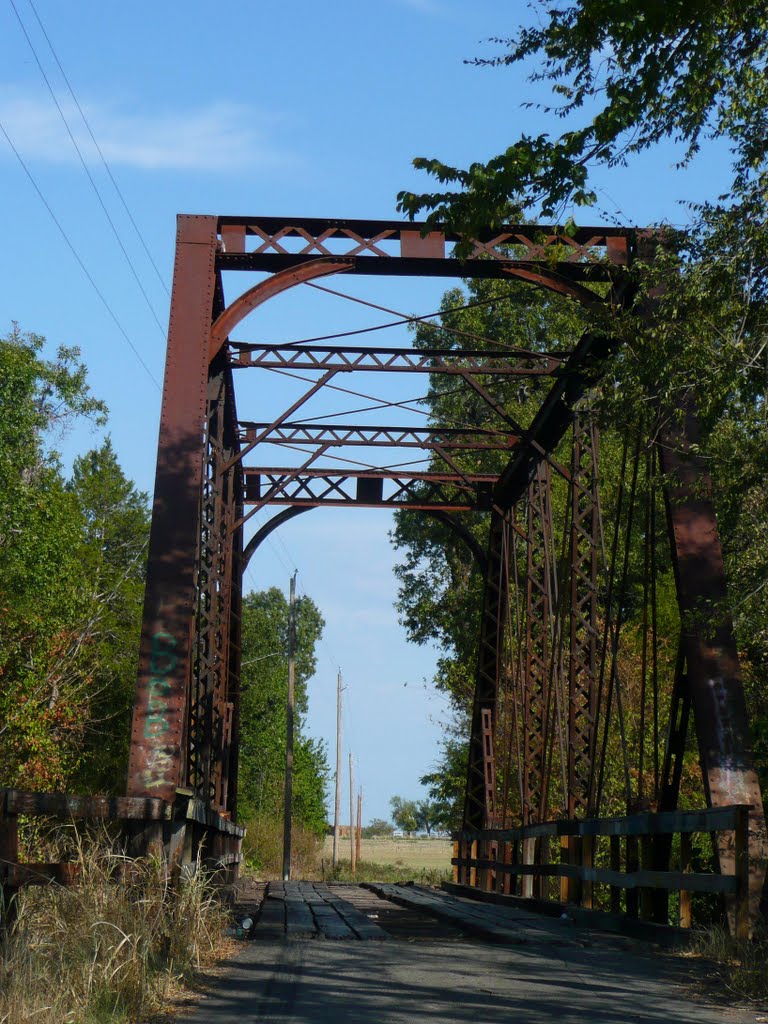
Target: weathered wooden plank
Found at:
467, 917
271, 922
62, 805
197, 811
623, 880
43, 874
711, 819
614, 923
361, 925
329, 923
299, 922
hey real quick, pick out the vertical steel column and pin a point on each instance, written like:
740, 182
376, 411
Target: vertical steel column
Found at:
231, 757
582, 613
155, 764
210, 710
537, 658
480, 796
713, 675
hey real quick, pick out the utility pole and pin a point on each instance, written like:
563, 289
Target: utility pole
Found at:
337, 807
352, 861
289, 734
359, 829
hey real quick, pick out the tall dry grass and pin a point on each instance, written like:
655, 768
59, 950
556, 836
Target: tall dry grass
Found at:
111, 948
263, 849
740, 965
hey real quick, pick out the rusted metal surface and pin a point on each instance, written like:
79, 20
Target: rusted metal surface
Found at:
550, 709
714, 683
540, 663
584, 636
366, 488
188, 830
352, 435
394, 360
274, 244
479, 811
157, 755
236, 312
72, 808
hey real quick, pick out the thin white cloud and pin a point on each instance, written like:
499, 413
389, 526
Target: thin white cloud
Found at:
213, 137
423, 6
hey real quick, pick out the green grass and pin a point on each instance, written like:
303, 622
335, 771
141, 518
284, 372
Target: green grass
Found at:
427, 861
370, 871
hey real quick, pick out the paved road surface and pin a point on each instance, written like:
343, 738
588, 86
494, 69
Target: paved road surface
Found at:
325, 982
452, 979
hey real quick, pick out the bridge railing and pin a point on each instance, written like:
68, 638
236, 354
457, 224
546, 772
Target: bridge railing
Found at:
628, 858
185, 831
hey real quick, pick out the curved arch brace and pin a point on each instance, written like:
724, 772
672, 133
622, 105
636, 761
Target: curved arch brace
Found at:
261, 535
554, 283
287, 514
280, 282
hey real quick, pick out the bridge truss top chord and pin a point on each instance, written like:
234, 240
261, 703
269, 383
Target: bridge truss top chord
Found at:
551, 702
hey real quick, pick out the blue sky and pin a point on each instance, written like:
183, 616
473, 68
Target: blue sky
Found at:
265, 109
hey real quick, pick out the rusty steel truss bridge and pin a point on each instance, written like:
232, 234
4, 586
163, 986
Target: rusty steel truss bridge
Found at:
558, 667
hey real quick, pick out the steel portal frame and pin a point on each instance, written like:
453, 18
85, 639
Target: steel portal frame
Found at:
534, 611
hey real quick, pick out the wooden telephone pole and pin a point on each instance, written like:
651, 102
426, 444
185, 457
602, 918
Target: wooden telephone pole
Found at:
359, 828
337, 807
352, 860
289, 734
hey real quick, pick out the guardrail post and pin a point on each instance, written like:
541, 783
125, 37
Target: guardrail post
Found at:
587, 861
502, 877
646, 894
473, 863
482, 872
9, 859
685, 916
529, 850
178, 845
632, 864
741, 870
542, 857
615, 866
565, 858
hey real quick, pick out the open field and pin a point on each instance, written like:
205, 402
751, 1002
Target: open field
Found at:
418, 854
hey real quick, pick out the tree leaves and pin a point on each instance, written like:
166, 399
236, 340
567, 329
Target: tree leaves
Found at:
679, 70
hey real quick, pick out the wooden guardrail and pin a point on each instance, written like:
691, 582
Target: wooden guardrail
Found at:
521, 861
186, 830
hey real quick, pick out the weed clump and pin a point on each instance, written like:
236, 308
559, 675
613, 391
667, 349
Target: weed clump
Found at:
110, 948
742, 965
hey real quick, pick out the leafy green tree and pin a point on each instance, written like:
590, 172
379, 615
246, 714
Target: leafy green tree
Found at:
404, 813
113, 553
377, 827
447, 781
626, 75
264, 692
440, 585
429, 815
42, 576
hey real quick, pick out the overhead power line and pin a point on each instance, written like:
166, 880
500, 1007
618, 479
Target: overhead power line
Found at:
424, 319
75, 253
107, 168
85, 167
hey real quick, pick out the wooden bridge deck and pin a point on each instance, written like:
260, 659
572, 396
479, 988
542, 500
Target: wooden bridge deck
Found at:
533, 970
